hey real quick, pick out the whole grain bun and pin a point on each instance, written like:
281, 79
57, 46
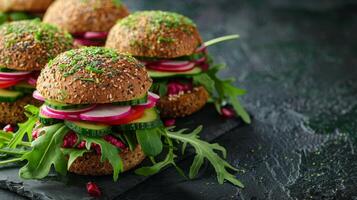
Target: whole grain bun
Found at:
156, 34
90, 164
93, 75
78, 16
181, 105
28, 45
13, 113
24, 5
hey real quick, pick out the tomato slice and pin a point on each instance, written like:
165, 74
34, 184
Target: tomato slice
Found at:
6, 84
135, 113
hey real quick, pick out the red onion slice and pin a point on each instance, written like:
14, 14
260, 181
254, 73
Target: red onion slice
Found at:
47, 113
95, 35
149, 104
15, 75
86, 42
153, 96
11, 79
38, 96
170, 67
32, 81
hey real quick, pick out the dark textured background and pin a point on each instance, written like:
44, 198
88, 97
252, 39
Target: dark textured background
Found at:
298, 60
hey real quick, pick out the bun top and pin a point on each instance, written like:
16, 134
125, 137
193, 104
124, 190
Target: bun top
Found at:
78, 16
93, 75
156, 34
24, 5
28, 45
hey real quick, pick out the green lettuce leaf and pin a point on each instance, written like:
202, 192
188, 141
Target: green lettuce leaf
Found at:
46, 152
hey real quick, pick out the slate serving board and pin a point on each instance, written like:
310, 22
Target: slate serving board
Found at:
298, 62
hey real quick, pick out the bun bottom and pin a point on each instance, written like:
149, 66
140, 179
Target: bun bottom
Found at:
90, 164
13, 113
182, 105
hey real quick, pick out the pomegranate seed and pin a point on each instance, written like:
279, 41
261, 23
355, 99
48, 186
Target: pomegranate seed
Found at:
171, 89
170, 122
227, 112
69, 140
81, 145
204, 66
114, 141
187, 87
97, 148
8, 128
93, 189
35, 134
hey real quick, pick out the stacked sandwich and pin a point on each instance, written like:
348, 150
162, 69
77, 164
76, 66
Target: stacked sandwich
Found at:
88, 21
172, 50
13, 10
25, 48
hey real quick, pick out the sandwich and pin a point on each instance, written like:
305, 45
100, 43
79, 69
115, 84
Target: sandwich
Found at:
99, 118
25, 48
175, 56
88, 21
14, 10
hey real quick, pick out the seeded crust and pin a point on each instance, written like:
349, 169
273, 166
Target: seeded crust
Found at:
13, 113
27, 45
90, 164
24, 5
122, 77
83, 16
182, 105
154, 34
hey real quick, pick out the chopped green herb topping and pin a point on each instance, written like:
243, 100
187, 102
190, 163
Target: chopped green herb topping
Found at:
157, 19
42, 33
117, 3
92, 60
165, 40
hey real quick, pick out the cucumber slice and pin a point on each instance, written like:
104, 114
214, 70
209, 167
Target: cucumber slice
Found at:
3, 69
10, 96
159, 74
149, 120
133, 102
24, 87
48, 121
63, 106
89, 128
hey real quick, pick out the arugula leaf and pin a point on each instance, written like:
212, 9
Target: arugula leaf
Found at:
26, 127
5, 136
150, 141
205, 150
226, 90
15, 152
160, 87
45, 153
169, 160
206, 81
73, 155
109, 152
130, 140
5, 162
